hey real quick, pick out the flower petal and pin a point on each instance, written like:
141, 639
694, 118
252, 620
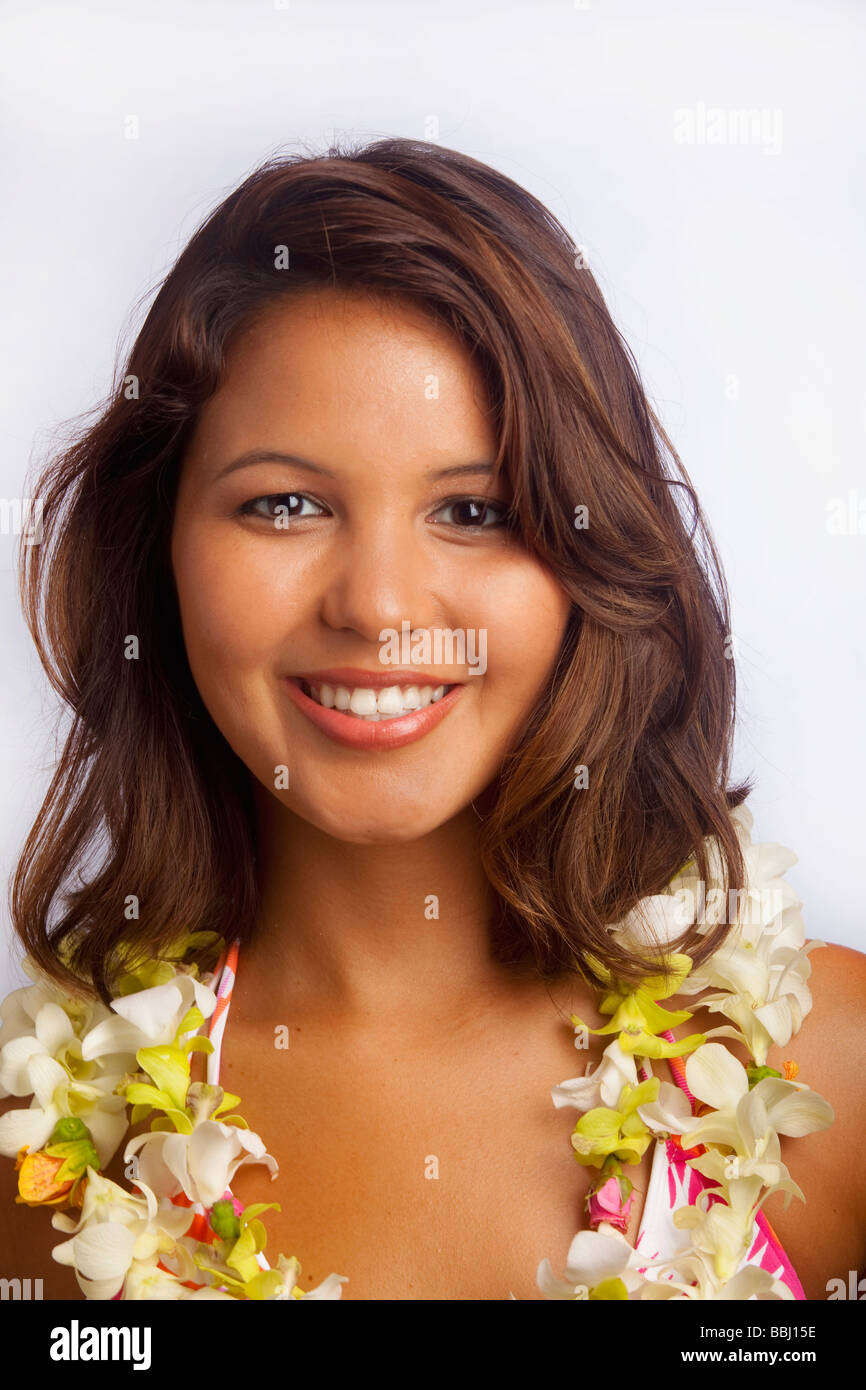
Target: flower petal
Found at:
715, 1077
670, 1114
778, 1020
15, 1065
594, 1256
53, 1028
794, 1113
46, 1075
29, 1129
103, 1250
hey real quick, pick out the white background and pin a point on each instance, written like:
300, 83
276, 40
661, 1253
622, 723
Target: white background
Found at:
734, 271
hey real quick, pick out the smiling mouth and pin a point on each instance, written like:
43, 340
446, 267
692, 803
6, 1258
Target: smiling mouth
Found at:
375, 706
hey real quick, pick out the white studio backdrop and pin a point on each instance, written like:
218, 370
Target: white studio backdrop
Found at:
707, 158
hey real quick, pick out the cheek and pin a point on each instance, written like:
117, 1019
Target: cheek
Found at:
234, 603
526, 616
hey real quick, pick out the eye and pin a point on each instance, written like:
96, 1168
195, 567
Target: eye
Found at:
473, 513
290, 505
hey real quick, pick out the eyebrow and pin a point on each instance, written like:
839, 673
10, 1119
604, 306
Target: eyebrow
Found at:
254, 456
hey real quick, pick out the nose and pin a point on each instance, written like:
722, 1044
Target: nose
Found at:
379, 577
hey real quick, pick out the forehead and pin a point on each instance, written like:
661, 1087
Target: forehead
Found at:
333, 372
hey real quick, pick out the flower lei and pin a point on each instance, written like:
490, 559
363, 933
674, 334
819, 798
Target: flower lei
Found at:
84, 1064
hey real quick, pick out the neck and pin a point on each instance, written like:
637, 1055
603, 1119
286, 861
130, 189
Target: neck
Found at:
379, 932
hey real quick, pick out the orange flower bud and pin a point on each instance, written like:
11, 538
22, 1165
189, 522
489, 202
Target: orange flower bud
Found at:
37, 1179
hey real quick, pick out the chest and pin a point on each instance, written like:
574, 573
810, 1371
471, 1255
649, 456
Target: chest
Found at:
417, 1181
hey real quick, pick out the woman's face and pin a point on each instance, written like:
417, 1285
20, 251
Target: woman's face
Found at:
292, 576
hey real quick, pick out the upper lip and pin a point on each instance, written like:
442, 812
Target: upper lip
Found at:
353, 676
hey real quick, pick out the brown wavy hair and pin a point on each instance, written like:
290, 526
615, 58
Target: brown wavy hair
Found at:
148, 799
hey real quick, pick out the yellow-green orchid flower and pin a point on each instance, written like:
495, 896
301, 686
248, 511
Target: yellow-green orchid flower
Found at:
646, 1045
637, 1016
145, 973
168, 1067
621, 1131
236, 1267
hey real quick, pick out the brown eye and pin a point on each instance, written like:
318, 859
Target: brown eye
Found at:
290, 504
473, 513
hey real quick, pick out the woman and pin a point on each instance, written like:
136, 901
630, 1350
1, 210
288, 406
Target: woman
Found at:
398, 655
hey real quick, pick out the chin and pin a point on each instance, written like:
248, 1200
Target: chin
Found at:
379, 825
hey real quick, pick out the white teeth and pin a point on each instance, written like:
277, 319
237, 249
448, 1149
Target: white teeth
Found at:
391, 702
363, 702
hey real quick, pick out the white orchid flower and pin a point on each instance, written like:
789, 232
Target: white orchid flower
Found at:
116, 1228
747, 1122
764, 897
762, 968
723, 1228
145, 1280
71, 1068
56, 1097
692, 1276
756, 1148
596, 1259
51, 1034
603, 1086
765, 1164
652, 925
149, 1017
763, 992
41, 1056
670, 1113
20, 1011
47, 1065
201, 1164
741, 1117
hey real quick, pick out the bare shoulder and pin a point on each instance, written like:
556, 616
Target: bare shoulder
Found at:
830, 1051
831, 1044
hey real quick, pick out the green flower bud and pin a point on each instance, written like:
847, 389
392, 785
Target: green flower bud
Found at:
68, 1130
224, 1221
756, 1074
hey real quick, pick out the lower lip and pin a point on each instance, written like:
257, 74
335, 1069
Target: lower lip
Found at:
373, 735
